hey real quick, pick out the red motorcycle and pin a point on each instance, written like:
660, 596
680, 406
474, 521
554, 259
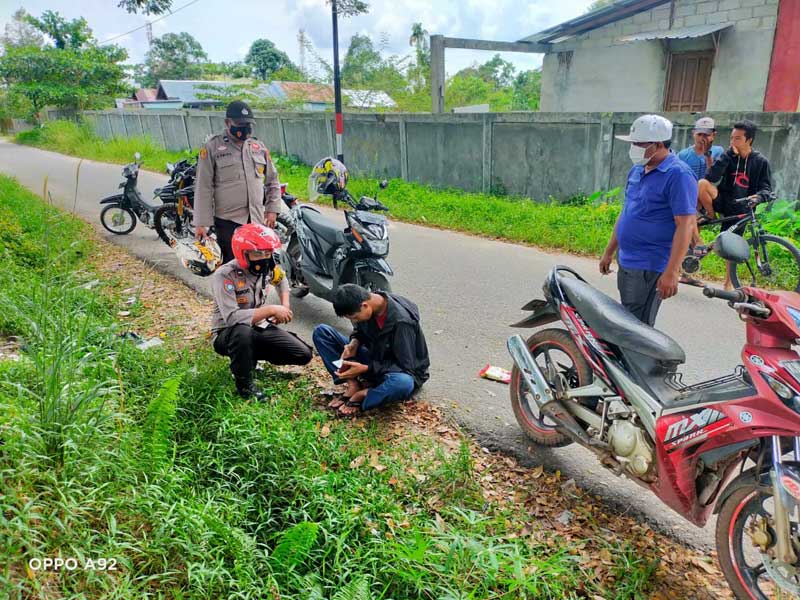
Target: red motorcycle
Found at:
611, 384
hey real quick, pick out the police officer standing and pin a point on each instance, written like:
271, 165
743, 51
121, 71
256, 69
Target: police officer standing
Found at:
236, 180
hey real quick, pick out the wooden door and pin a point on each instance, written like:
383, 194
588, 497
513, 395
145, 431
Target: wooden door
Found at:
688, 78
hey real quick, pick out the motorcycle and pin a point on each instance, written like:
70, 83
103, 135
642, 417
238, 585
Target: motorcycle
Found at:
173, 220
611, 384
121, 211
319, 256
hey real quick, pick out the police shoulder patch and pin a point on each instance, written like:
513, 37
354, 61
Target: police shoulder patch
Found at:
228, 284
203, 153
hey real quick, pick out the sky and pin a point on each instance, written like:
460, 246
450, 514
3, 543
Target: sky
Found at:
226, 29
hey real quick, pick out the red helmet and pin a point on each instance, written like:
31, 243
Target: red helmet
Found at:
253, 237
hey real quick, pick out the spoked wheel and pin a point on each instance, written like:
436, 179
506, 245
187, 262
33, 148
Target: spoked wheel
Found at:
374, 282
774, 264
117, 219
745, 545
170, 226
552, 349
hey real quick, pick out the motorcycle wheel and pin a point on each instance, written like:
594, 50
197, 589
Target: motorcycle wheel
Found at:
118, 219
555, 345
745, 512
374, 282
165, 220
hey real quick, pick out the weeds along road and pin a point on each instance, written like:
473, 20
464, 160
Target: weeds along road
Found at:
469, 289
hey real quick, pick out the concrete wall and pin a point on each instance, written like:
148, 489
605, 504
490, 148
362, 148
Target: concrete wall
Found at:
604, 74
535, 155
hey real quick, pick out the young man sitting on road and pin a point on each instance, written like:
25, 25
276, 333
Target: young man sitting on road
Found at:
386, 357
243, 324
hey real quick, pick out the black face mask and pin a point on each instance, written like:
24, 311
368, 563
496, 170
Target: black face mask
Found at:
243, 132
261, 266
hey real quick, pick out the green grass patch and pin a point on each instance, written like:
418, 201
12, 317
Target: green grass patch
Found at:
150, 461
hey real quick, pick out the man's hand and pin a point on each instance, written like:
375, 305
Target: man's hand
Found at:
667, 285
271, 218
605, 263
281, 314
351, 370
350, 350
200, 233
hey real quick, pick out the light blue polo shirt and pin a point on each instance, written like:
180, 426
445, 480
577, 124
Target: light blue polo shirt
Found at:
652, 201
698, 163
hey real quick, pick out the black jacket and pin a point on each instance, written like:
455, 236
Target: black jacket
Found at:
739, 178
400, 346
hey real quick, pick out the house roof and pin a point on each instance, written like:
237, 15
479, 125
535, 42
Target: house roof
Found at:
317, 93
145, 94
611, 13
188, 91
676, 34
369, 99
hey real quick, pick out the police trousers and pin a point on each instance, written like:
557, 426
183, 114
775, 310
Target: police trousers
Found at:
245, 345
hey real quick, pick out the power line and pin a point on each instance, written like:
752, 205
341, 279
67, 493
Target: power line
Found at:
149, 23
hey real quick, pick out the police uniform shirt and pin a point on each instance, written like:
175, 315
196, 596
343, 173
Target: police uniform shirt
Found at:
238, 293
235, 183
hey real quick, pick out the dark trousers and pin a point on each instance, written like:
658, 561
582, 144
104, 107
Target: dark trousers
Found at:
245, 344
224, 230
392, 386
637, 292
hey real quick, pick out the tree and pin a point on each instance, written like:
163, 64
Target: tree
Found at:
361, 63
498, 72
350, 8
172, 56
225, 70
19, 32
265, 58
65, 34
527, 90
148, 7
79, 78
598, 4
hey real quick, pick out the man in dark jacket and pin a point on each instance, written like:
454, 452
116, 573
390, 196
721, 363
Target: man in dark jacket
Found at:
386, 357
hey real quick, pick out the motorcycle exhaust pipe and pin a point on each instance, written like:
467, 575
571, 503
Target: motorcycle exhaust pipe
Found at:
542, 394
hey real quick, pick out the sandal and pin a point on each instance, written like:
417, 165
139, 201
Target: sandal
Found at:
685, 279
344, 414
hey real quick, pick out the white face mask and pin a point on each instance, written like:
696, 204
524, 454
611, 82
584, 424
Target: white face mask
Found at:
637, 154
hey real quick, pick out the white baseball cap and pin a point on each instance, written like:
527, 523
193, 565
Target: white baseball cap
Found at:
705, 125
648, 128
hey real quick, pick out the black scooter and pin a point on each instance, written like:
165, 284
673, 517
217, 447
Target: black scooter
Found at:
121, 211
319, 256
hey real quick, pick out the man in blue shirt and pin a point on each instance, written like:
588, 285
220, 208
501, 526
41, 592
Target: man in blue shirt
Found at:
655, 227
702, 155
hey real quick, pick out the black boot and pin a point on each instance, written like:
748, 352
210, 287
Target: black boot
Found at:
247, 389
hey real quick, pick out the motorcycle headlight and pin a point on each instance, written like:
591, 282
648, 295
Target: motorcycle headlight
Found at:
373, 234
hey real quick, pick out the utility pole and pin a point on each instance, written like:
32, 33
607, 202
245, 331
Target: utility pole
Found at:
337, 85
149, 30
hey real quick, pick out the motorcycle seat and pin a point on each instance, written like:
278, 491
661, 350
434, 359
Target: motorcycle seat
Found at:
616, 324
324, 228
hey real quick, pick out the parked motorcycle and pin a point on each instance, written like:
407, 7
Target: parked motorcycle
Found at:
319, 256
611, 384
173, 220
121, 211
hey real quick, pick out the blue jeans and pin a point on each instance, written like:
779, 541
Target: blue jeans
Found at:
393, 387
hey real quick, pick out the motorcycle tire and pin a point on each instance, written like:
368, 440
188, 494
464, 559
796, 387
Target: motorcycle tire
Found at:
536, 427
107, 220
784, 262
165, 222
374, 282
746, 580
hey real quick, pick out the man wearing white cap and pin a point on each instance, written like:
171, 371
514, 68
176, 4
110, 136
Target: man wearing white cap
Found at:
703, 153
654, 229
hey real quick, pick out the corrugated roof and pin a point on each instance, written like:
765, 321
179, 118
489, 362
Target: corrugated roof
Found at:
188, 91
593, 20
369, 99
145, 94
676, 34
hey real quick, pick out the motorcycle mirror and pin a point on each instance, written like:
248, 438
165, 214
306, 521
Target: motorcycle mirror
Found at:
137, 156
384, 184
732, 247
170, 168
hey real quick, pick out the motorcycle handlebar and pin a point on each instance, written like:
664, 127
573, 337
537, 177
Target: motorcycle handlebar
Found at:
732, 295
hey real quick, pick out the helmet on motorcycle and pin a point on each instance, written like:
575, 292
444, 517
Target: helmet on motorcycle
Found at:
253, 237
200, 257
328, 178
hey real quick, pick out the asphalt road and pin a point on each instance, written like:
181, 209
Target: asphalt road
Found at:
469, 289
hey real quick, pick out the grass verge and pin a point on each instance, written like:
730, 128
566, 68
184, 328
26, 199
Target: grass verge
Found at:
147, 461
